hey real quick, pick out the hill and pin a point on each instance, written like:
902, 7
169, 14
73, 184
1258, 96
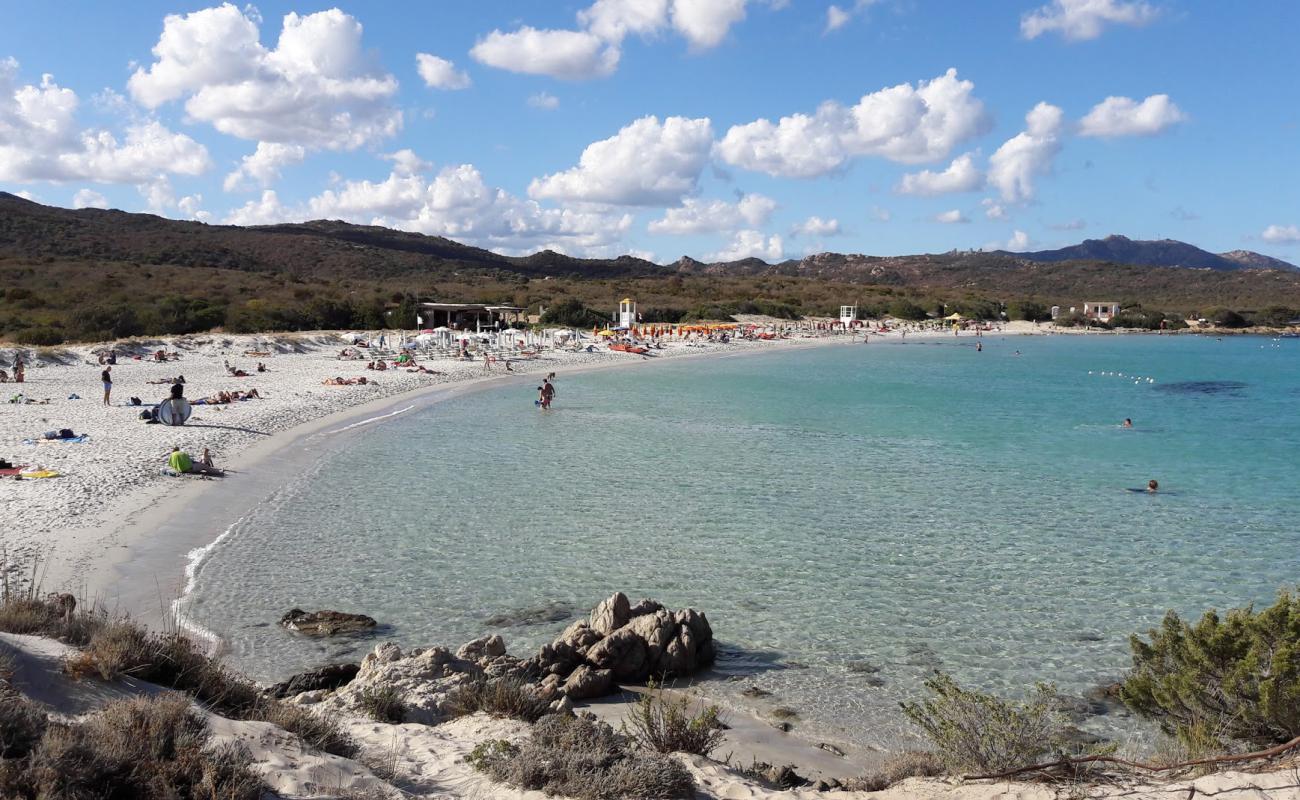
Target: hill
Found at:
91, 274
1156, 253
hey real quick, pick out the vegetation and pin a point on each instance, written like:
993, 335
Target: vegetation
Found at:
500, 697
1221, 679
112, 647
977, 732
150, 748
90, 275
665, 724
584, 759
383, 704
897, 767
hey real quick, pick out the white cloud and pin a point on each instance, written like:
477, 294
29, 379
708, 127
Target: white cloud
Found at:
88, 198
1123, 116
191, 206
1028, 154
645, 163
613, 20
456, 203
1281, 234
1077, 20
545, 101
315, 88
1019, 242
881, 214
265, 211
961, 176
952, 217
262, 167
816, 226
705, 23
837, 17
571, 55
406, 162
750, 244
993, 209
712, 216
41, 141
901, 123
439, 73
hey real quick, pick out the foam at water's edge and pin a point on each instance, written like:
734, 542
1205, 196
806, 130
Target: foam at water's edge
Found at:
371, 419
193, 560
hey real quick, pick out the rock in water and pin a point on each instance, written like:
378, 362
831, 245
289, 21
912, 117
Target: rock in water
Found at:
611, 614
325, 623
331, 677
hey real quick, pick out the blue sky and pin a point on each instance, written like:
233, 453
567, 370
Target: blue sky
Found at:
714, 128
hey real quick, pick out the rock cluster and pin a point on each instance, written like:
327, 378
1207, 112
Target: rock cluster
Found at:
619, 642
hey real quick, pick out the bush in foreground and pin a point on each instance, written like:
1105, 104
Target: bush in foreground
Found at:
898, 767
1220, 679
977, 732
583, 759
383, 704
149, 748
500, 697
666, 725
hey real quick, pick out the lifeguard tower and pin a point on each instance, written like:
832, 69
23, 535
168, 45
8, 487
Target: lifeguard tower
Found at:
627, 313
848, 315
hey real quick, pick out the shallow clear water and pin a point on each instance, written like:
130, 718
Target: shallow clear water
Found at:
904, 506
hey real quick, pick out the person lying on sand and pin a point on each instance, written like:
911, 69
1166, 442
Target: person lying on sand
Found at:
424, 369
181, 463
339, 381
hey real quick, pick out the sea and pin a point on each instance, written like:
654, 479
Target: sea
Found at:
850, 518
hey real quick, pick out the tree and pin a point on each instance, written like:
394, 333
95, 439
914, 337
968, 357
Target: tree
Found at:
1029, 310
906, 309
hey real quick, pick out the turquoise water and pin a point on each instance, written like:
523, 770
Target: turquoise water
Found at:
903, 507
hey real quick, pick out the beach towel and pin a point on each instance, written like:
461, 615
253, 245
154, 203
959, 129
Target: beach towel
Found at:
11, 471
73, 440
38, 473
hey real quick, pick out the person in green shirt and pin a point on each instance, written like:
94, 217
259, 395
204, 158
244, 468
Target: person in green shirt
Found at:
180, 462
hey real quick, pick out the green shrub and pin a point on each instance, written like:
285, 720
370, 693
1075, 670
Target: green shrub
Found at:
573, 313
1070, 319
1236, 677
665, 724
40, 336
583, 759
907, 310
977, 732
1227, 318
500, 697
1029, 310
382, 704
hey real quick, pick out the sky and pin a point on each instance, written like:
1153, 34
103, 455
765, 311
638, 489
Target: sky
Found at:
718, 129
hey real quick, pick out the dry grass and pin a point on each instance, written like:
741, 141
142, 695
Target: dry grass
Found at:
147, 748
503, 697
583, 759
898, 767
382, 704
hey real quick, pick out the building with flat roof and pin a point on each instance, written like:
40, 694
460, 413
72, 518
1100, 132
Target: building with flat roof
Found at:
468, 316
1102, 312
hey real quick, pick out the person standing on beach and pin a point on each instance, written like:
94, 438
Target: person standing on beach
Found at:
107, 378
548, 393
19, 367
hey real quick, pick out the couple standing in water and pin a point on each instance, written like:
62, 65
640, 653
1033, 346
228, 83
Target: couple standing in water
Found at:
546, 393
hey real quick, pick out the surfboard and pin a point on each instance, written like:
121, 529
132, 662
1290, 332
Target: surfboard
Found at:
174, 411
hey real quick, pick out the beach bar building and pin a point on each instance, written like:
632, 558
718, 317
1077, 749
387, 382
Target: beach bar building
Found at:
468, 316
1102, 312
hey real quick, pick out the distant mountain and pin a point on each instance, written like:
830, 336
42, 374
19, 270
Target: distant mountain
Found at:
1249, 259
1155, 253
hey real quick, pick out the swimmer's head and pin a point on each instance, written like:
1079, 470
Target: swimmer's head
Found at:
1152, 485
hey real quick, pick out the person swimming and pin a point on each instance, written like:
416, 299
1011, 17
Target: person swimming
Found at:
1153, 486
1128, 423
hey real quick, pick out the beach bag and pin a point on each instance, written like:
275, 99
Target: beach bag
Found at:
146, 415
50, 435
66, 433
135, 401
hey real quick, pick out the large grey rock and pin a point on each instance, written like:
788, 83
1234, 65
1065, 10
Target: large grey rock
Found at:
586, 683
612, 614
624, 653
325, 623
330, 677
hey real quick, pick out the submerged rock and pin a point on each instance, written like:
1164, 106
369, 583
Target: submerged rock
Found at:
551, 612
325, 623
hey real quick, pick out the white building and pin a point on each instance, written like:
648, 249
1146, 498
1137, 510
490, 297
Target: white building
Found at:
1102, 312
848, 314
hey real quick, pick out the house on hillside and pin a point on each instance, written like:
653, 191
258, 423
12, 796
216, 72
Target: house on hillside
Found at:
1102, 312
